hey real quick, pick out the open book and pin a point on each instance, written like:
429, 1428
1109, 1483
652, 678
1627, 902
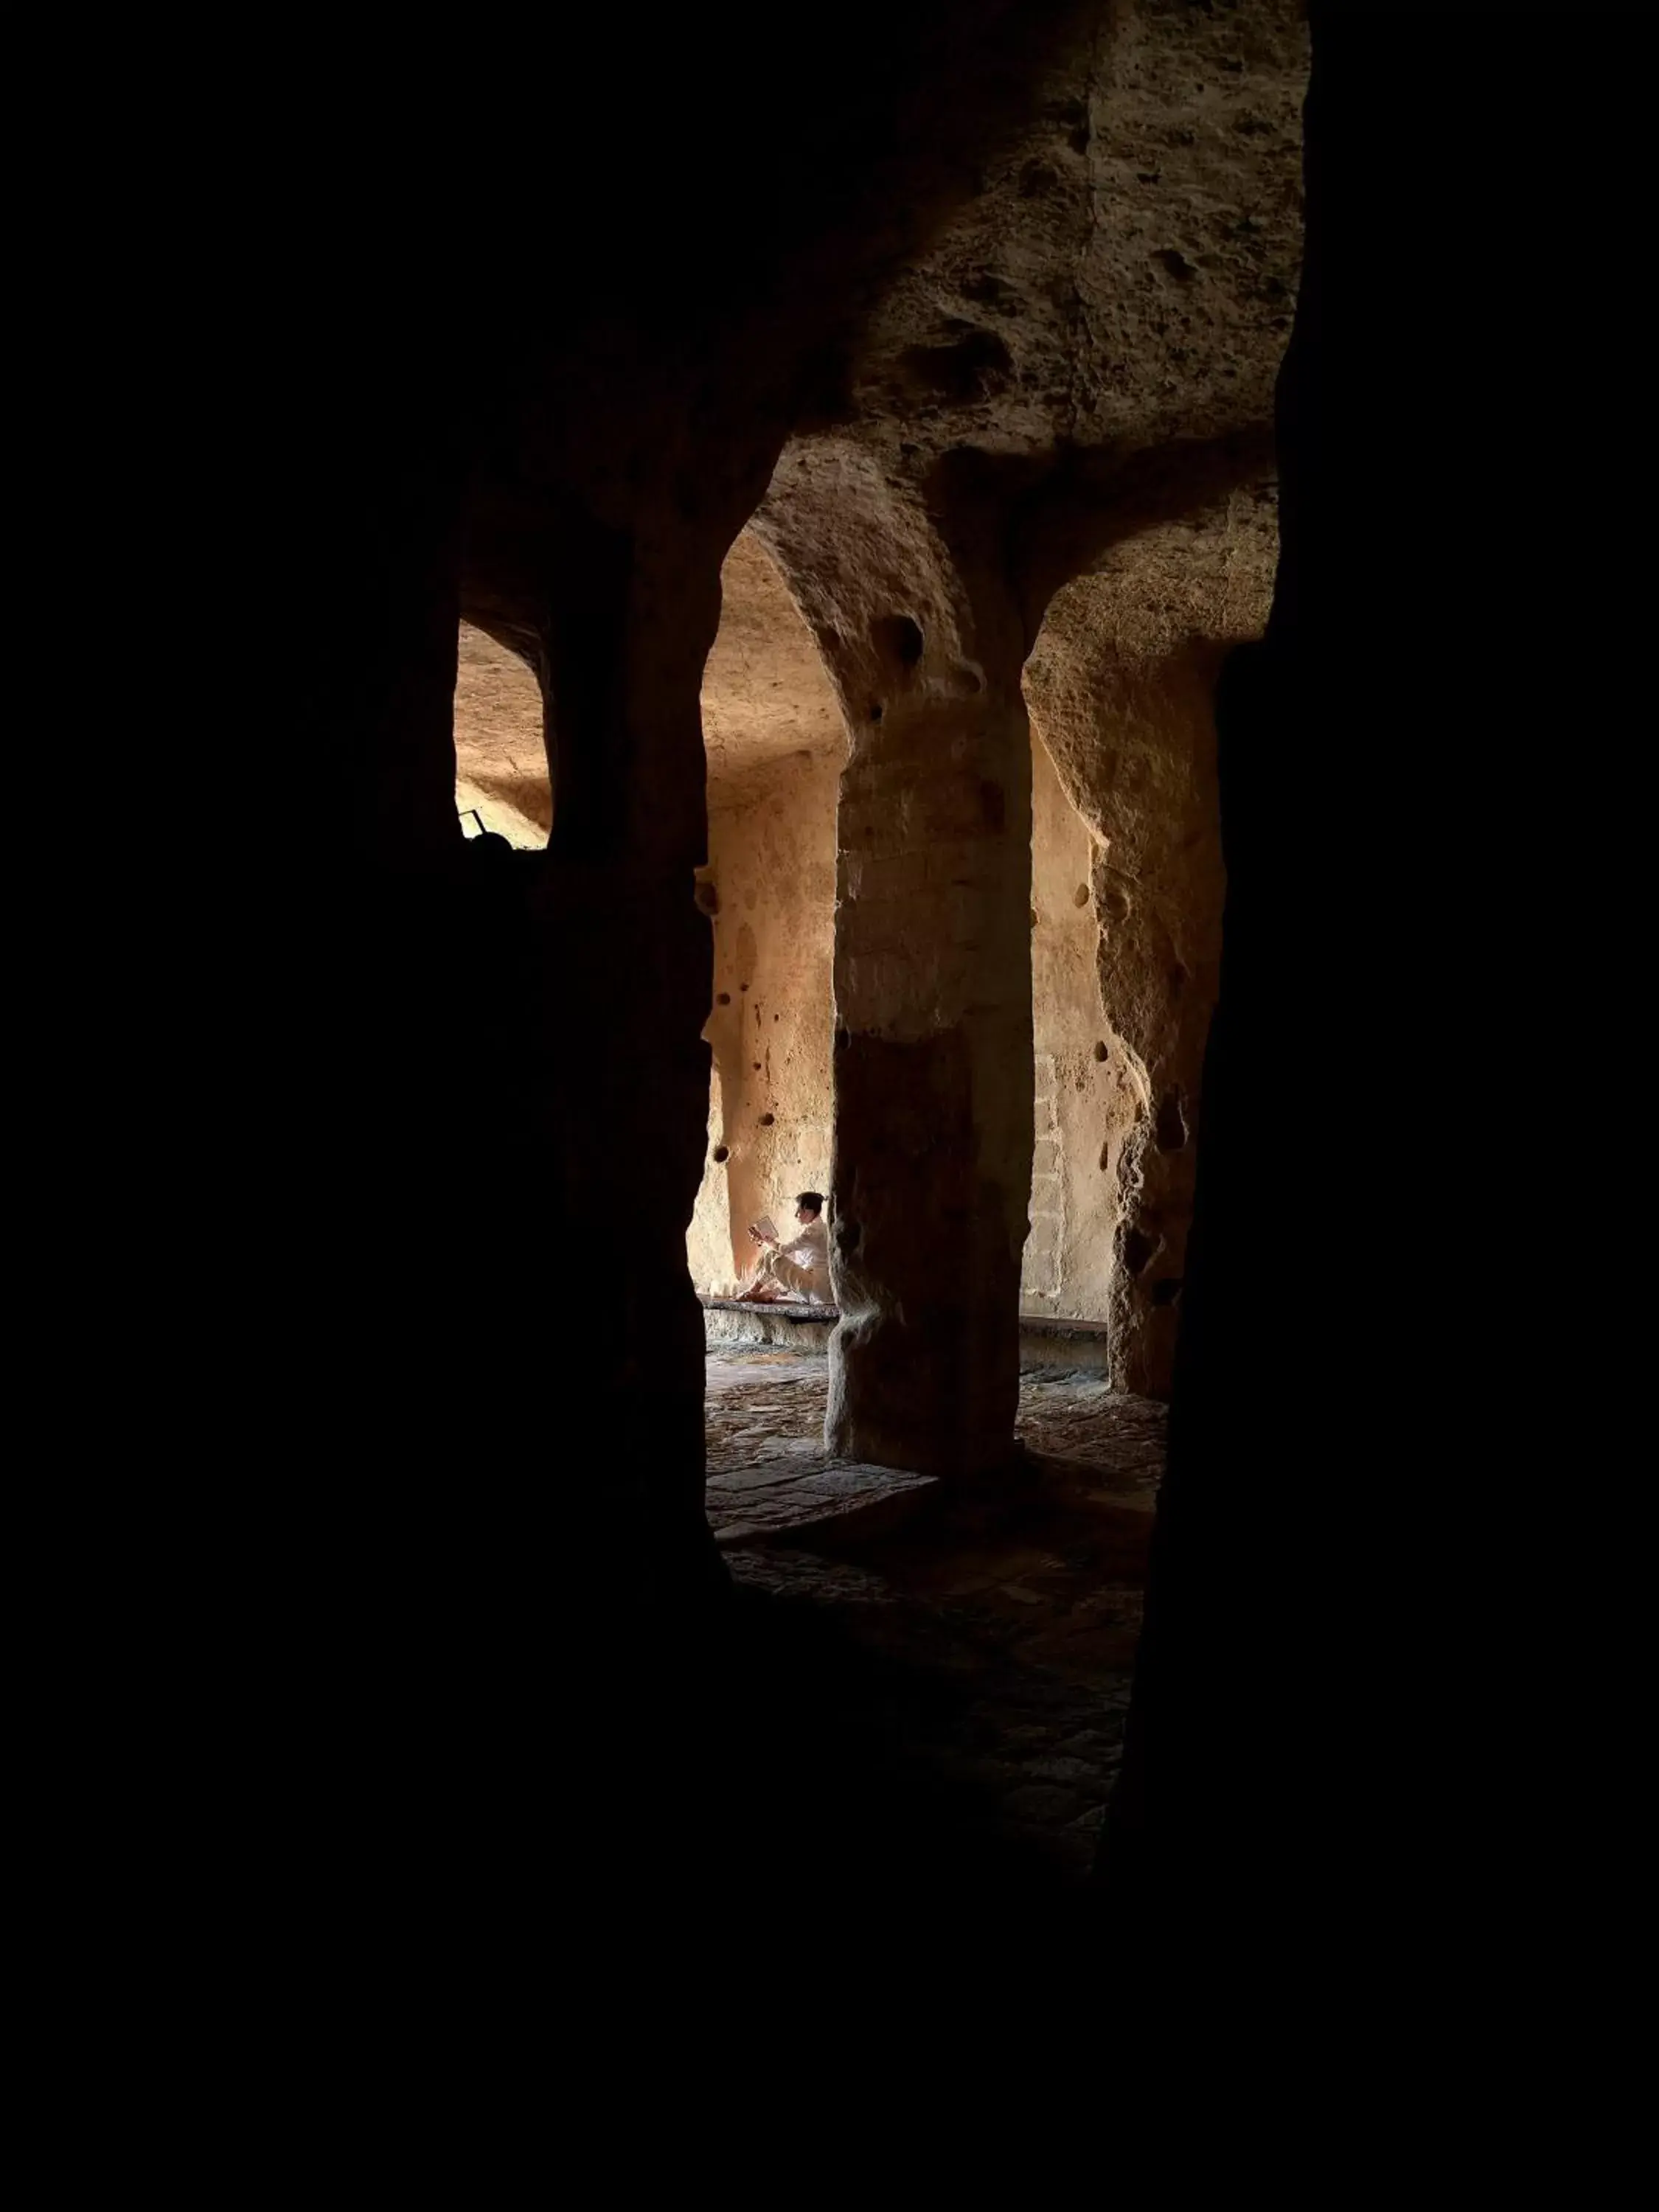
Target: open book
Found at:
767, 1226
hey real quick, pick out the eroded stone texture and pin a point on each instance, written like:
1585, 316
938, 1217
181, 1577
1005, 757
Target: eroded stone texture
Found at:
769, 889
1066, 339
765, 694
1068, 1255
1122, 686
933, 1085
1125, 278
774, 738
933, 981
1085, 353
615, 417
771, 869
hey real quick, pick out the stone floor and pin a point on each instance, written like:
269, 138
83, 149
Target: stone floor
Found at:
769, 1477
977, 1644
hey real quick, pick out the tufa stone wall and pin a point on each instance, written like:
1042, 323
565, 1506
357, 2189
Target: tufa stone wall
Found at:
771, 878
769, 889
1127, 895
1121, 685
1068, 1255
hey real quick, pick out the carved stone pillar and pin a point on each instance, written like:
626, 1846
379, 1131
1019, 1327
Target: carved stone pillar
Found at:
625, 958
931, 1162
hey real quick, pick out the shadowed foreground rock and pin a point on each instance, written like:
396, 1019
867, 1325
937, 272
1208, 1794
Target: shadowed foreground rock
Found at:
975, 319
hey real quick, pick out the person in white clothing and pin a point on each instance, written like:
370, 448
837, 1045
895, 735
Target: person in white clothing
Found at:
799, 1269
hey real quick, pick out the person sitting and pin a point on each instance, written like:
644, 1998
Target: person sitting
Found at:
799, 1269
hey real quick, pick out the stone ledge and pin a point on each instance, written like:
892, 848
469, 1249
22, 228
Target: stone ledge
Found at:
1044, 1340
738, 1321
789, 1310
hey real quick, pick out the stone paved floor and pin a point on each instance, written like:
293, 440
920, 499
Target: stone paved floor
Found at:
987, 1642
769, 1477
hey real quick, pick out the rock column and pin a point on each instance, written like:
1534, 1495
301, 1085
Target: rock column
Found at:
904, 585
933, 1073
626, 962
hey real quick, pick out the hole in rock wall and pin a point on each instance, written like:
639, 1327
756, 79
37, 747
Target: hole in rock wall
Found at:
898, 639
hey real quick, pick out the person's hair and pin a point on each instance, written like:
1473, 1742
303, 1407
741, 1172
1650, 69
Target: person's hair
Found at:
813, 1198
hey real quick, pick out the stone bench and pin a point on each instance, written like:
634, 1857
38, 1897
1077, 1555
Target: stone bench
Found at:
743, 1321
1044, 1340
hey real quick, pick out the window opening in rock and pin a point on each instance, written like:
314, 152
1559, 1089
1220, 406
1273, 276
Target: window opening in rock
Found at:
501, 780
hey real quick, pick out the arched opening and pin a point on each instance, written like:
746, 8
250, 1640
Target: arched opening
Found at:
775, 739
502, 781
